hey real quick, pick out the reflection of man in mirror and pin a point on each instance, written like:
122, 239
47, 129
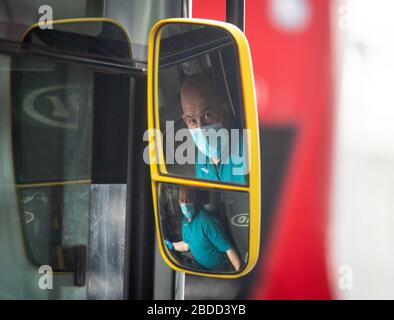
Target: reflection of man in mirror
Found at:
203, 236
204, 113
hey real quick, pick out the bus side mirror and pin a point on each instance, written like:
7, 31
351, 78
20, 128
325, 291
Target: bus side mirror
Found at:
204, 147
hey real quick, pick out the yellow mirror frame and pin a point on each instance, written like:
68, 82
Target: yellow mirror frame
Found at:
253, 145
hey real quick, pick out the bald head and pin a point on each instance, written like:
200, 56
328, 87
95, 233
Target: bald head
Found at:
197, 85
200, 102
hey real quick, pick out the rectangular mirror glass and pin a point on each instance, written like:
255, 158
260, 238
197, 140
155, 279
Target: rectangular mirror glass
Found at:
204, 230
199, 107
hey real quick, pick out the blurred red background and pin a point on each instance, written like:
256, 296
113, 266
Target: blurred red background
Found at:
292, 60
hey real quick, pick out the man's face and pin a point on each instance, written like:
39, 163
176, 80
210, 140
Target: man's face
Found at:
185, 196
199, 109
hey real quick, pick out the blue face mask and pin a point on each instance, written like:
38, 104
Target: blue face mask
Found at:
202, 139
187, 210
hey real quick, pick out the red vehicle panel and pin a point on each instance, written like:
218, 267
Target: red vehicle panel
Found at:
291, 53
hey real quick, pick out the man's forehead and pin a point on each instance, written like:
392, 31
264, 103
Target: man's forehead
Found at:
183, 192
191, 109
198, 103
197, 98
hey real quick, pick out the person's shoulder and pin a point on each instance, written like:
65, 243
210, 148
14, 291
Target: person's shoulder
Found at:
206, 218
202, 214
229, 172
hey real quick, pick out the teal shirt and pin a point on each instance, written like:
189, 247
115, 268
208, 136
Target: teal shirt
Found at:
219, 172
206, 239
232, 170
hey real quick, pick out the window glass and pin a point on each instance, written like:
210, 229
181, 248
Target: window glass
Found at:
138, 17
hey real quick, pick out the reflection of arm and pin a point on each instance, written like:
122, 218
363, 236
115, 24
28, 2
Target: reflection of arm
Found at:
234, 259
218, 237
181, 246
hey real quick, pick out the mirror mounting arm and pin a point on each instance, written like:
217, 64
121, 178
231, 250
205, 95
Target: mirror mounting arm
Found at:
235, 13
